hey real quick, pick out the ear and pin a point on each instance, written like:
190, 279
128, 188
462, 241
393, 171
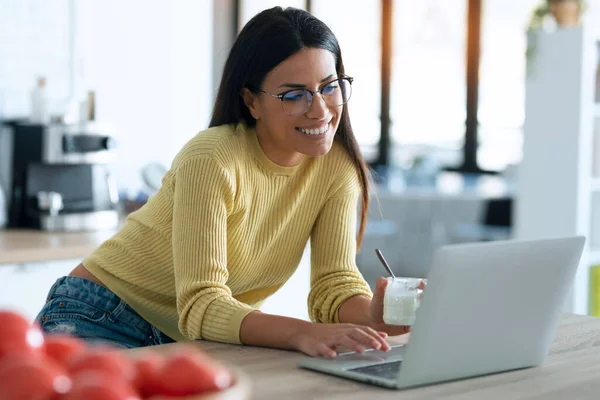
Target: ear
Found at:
251, 102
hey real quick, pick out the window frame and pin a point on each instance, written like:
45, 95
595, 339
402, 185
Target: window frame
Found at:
473, 56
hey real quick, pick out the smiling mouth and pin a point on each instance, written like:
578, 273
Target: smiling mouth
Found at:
315, 131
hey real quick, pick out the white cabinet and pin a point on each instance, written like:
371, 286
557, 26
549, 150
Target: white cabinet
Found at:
24, 287
555, 184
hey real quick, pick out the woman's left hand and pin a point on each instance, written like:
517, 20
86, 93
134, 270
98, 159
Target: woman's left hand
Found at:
376, 311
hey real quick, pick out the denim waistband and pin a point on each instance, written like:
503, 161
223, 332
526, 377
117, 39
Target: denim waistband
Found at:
97, 296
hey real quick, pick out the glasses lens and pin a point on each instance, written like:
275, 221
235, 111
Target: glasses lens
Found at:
337, 93
296, 102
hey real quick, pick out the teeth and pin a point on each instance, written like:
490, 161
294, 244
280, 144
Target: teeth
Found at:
316, 131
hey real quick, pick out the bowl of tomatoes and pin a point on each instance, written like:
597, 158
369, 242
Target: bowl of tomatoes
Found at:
36, 366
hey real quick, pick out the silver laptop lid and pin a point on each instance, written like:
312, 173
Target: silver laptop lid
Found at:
489, 307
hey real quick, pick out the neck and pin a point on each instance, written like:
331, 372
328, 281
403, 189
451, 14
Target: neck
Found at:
276, 155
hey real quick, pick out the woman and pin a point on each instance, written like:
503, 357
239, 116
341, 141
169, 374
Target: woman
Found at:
278, 165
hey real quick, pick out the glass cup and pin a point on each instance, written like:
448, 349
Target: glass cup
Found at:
401, 301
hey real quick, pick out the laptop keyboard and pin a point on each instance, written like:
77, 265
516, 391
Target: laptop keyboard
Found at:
385, 370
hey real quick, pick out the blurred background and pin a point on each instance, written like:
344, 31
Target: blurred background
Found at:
478, 118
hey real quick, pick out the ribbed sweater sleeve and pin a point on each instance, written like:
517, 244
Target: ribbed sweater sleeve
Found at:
334, 274
203, 197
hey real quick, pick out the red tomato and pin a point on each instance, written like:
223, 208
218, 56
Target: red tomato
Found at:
18, 335
109, 362
147, 369
32, 377
63, 348
185, 374
97, 385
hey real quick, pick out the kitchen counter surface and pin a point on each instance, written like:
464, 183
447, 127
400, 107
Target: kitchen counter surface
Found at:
26, 246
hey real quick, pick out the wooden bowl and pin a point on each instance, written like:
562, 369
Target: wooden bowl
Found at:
240, 390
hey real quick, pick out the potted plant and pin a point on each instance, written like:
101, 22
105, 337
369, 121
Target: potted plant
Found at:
565, 12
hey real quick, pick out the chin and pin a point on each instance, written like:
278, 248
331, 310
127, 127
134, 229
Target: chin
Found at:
319, 150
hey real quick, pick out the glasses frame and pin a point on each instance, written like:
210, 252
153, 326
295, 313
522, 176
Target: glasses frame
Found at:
281, 95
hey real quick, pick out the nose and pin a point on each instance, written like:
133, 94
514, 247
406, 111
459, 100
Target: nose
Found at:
318, 108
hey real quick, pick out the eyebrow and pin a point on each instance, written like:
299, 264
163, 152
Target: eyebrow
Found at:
299, 86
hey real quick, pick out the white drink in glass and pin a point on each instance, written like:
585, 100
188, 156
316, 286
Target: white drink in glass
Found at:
401, 300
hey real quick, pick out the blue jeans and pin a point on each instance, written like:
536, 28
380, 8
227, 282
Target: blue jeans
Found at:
81, 308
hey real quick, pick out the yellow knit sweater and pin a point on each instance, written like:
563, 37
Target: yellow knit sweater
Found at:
227, 229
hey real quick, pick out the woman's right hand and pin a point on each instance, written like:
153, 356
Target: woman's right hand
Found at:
324, 339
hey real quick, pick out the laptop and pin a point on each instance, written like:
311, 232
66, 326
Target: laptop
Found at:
488, 307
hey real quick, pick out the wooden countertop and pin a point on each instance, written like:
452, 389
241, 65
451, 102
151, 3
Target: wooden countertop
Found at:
24, 246
570, 372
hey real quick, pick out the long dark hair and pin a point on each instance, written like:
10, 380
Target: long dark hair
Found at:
268, 39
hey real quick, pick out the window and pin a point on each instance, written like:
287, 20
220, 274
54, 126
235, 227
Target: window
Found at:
428, 85
249, 8
501, 111
361, 53
358, 30
429, 80
428, 77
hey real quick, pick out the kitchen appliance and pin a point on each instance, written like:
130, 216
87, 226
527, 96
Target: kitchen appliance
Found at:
60, 178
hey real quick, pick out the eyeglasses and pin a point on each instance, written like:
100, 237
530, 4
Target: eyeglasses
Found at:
298, 101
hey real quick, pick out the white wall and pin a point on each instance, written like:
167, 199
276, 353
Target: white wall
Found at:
593, 11
34, 41
150, 63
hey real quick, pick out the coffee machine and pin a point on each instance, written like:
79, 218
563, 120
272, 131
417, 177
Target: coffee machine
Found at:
60, 178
